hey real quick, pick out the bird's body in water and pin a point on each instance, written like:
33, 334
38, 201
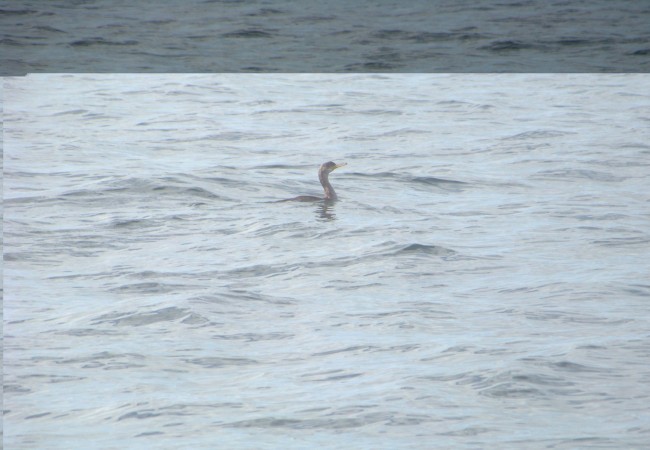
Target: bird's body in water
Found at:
323, 176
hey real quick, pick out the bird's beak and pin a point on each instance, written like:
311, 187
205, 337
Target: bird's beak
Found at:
340, 165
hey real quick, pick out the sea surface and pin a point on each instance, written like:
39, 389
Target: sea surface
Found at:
325, 36
482, 282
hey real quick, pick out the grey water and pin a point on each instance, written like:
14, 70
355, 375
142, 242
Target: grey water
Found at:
482, 281
325, 36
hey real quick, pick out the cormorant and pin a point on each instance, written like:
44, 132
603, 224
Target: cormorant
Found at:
323, 176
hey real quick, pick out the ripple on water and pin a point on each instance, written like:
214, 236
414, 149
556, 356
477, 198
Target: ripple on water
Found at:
137, 319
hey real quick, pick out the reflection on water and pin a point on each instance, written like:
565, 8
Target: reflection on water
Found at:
325, 210
488, 253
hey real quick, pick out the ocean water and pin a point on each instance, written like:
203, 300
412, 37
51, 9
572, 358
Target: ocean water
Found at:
482, 281
332, 36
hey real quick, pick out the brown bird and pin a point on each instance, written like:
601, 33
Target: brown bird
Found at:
323, 176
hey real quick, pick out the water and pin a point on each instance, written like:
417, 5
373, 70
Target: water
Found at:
482, 282
333, 36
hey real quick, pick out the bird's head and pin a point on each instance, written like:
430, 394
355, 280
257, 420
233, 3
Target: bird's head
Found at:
330, 166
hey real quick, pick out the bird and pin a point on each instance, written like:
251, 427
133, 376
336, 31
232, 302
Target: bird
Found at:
323, 176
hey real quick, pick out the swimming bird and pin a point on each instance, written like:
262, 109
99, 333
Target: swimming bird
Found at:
323, 176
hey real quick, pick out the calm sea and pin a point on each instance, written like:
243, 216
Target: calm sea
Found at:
481, 283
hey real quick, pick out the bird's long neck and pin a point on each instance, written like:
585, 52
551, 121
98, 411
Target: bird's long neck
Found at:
329, 190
